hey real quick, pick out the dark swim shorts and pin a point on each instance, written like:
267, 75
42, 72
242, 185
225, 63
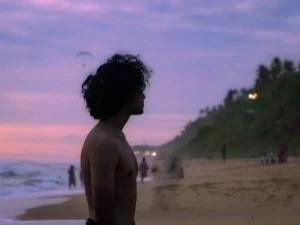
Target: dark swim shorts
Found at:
93, 222
90, 222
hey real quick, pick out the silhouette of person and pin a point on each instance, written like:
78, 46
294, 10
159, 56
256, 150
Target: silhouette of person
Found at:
72, 178
224, 152
143, 169
281, 158
108, 163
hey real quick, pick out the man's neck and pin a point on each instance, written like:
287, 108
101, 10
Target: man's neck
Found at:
116, 123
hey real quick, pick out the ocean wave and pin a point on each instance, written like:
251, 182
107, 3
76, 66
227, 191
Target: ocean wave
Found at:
19, 178
12, 174
8, 174
23, 178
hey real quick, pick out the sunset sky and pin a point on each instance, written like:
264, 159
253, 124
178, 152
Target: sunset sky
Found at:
197, 49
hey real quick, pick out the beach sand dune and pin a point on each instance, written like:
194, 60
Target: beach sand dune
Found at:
235, 193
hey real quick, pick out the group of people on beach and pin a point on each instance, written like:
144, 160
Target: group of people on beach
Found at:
109, 168
270, 157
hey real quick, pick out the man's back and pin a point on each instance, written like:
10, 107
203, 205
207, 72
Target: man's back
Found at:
109, 169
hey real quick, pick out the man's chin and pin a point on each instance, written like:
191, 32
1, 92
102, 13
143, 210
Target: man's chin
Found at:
138, 112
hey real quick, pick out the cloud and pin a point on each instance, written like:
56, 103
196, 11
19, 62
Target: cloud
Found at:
294, 20
245, 5
68, 5
28, 98
78, 6
265, 34
136, 14
256, 5
36, 103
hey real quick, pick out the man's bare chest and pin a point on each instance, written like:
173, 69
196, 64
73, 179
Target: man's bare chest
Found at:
127, 163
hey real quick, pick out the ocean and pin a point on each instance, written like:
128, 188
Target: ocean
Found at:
18, 178
21, 178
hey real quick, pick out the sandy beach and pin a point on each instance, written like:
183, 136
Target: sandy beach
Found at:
212, 193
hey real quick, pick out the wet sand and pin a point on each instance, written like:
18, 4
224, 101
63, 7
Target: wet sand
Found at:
212, 193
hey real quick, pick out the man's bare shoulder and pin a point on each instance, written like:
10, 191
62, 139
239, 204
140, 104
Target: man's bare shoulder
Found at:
101, 137
101, 143
107, 141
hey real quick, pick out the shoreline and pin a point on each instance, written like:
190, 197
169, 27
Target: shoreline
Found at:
13, 206
50, 212
210, 194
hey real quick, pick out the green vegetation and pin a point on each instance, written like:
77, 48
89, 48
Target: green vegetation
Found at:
248, 126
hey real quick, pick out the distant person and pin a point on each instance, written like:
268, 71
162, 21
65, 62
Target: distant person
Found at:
173, 164
271, 158
264, 158
281, 154
109, 166
144, 169
181, 172
154, 169
224, 152
81, 178
175, 167
268, 158
72, 177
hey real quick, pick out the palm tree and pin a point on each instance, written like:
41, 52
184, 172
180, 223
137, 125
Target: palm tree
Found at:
202, 111
289, 67
230, 96
214, 109
263, 73
263, 76
206, 110
188, 125
276, 68
242, 93
257, 83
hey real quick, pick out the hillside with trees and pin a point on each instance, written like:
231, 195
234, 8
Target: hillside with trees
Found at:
248, 125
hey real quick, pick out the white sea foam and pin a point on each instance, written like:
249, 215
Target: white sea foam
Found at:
25, 185
44, 222
21, 178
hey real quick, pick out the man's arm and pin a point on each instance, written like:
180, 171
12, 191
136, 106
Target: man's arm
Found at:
103, 165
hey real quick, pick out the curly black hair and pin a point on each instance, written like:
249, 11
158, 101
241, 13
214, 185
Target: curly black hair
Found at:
115, 82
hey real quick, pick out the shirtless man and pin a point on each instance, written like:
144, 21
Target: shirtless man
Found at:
108, 163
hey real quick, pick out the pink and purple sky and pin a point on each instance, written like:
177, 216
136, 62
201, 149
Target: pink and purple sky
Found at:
197, 49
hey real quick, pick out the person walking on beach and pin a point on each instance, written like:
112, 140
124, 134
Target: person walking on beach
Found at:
108, 163
224, 152
72, 178
173, 164
144, 169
